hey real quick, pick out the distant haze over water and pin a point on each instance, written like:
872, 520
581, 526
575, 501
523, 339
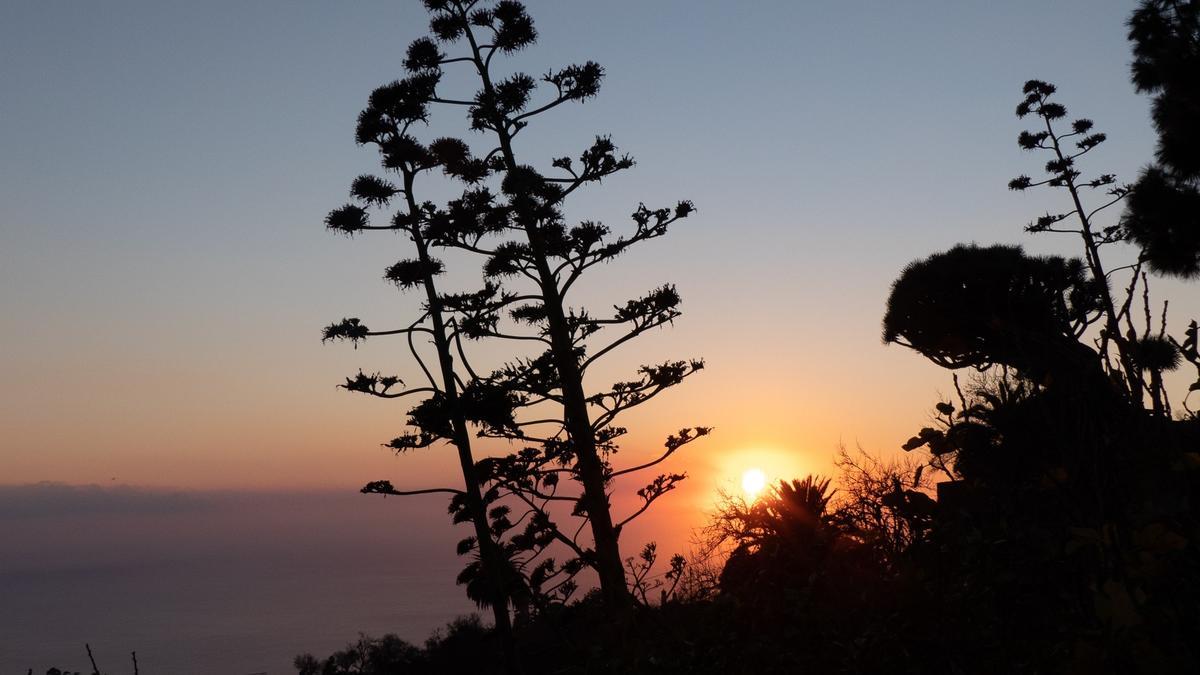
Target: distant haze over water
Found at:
202, 583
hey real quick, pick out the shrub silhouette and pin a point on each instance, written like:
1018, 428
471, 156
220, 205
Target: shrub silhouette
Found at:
981, 306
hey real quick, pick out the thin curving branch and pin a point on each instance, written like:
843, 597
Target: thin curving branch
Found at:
383, 487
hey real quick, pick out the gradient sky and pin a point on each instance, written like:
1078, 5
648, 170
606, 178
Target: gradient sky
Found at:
165, 167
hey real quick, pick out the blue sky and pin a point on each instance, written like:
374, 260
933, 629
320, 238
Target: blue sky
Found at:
165, 167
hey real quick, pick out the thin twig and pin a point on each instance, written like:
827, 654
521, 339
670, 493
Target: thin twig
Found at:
95, 670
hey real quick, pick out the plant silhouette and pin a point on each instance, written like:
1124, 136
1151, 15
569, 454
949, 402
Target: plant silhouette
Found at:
450, 404
1044, 519
1163, 214
1055, 463
510, 215
977, 307
513, 219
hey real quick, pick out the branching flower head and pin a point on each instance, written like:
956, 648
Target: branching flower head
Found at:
346, 329
412, 273
373, 190
347, 219
513, 26
423, 54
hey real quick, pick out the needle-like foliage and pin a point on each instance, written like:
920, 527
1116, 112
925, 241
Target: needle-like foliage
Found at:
1163, 213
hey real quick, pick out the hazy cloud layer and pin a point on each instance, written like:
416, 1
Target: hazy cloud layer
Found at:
215, 581
47, 499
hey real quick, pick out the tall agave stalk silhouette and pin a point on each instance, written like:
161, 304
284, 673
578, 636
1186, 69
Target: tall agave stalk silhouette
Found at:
446, 411
549, 258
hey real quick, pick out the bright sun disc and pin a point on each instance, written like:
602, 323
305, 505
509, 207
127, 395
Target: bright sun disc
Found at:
753, 482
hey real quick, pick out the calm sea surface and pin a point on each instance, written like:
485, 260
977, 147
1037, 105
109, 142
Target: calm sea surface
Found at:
214, 583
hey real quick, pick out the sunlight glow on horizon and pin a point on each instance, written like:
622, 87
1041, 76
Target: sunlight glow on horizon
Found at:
783, 280
748, 471
754, 481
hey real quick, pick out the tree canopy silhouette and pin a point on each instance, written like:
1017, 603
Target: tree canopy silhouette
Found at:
1163, 214
983, 306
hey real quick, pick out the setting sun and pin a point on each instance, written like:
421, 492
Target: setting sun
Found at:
753, 482
577, 422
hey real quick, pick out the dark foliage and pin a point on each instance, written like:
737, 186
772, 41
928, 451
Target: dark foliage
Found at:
1068, 525
1166, 50
973, 306
465, 646
1163, 216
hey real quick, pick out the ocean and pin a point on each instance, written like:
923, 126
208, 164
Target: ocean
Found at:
208, 583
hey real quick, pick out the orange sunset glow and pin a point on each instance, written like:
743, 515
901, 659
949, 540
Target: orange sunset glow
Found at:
754, 481
521, 337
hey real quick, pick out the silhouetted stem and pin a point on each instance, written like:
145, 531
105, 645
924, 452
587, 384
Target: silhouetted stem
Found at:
490, 555
410, 493
1092, 250
591, 469
95, 670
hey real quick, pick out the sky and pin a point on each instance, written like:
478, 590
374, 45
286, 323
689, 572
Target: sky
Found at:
175, 458
165, 168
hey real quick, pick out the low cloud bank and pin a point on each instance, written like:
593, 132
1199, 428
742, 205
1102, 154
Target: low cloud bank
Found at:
49, 499
55, 526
